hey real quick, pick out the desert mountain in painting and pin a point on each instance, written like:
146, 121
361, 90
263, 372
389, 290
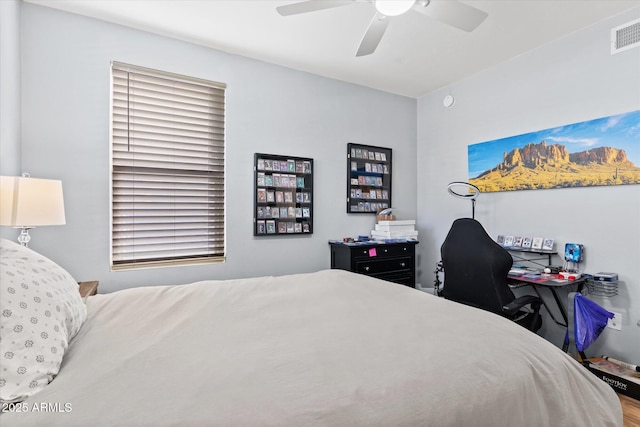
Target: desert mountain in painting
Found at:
537, 166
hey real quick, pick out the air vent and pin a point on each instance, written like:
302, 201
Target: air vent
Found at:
625, 36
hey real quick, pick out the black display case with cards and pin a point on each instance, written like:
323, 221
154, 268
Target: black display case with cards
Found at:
368, 178
283, 195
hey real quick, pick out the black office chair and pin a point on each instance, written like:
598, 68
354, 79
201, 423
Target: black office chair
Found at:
475, 274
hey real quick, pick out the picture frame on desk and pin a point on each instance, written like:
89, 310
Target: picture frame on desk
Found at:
547, 244
536, 243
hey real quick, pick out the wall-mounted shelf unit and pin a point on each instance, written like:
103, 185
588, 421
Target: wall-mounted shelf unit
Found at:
368, 178
283, 195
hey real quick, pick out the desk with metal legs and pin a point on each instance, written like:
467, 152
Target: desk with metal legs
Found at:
552, 282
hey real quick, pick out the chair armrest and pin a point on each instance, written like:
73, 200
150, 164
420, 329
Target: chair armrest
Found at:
514, 306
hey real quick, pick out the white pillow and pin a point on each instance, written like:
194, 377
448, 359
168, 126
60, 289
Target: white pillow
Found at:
40, 311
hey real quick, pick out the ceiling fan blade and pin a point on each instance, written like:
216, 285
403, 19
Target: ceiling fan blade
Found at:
310, 6
374, 34
454, 13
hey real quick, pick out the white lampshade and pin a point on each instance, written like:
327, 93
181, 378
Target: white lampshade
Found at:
30, 202
393, 7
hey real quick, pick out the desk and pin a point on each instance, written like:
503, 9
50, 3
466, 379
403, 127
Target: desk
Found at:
551, 282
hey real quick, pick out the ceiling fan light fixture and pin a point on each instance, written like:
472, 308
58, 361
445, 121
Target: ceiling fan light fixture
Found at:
393, 7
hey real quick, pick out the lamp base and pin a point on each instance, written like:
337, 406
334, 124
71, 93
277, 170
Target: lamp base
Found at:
24, 237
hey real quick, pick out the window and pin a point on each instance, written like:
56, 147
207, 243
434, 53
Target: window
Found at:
167, 169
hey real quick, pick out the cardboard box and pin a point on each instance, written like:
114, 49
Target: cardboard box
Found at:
621, 379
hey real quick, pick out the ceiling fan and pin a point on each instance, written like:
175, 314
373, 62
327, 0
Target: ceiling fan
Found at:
451, 12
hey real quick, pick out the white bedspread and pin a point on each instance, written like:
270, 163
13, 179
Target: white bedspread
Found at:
323, 349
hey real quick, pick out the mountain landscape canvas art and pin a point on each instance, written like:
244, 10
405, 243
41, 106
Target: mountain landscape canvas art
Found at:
604, 151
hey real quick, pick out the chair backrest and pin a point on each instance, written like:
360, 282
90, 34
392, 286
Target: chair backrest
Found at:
475, 267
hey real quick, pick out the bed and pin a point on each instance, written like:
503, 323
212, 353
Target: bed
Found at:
328, 348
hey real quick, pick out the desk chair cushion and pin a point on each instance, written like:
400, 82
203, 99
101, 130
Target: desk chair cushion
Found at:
475, 273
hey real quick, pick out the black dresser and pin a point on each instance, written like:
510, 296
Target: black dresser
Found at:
395, 262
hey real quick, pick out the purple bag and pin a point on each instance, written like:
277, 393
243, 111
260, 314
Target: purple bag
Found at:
589, 319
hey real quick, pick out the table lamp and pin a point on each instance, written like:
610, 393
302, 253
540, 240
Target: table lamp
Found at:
27, 203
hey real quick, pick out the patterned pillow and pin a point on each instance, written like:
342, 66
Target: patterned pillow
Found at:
40, 311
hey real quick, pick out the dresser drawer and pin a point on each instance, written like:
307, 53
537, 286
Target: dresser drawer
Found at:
383, 251
384, 265
403, 278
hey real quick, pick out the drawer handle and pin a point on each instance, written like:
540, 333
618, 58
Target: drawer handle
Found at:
402, 264
366, 268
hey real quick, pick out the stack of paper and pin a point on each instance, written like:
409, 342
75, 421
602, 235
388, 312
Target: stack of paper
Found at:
400, 229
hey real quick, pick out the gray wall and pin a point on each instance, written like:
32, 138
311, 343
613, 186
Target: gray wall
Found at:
10, 87
568, 81
270, 109
10, 93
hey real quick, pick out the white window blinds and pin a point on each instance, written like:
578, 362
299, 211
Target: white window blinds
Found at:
168, 201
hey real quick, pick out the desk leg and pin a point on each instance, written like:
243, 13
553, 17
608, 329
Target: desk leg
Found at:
544, 303
563, 311
565, 348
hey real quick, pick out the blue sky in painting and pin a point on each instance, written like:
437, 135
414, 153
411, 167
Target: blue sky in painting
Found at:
620, 131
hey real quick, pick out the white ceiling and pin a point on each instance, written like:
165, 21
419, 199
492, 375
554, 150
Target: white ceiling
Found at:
416, 55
